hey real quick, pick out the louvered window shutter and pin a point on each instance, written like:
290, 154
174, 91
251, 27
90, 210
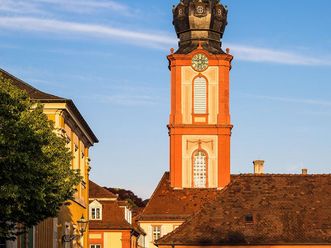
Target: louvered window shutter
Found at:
200, 96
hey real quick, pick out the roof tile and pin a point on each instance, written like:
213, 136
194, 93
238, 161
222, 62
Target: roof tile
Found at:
286, 209
168, 203
96, 191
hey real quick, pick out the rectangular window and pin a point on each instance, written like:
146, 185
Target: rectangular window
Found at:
95, 246
96, 213
128, 215
156, 232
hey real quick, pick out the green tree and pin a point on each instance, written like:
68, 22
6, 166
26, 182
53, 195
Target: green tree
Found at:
35, 174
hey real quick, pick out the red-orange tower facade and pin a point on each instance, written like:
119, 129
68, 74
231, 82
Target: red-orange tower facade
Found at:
200, 125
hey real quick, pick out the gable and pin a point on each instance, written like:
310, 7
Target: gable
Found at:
168, 203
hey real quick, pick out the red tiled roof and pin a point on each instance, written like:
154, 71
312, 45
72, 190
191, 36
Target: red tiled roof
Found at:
112, 211
286, 209
96, 191
112, 217
167, 203
137, 212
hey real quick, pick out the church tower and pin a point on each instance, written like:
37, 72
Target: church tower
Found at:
199, 125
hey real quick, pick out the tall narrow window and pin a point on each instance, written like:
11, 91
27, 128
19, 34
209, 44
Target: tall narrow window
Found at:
156, 232
200, 96
199, 169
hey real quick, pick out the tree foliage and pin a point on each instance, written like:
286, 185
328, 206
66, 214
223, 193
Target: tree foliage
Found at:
128, 195
35, 173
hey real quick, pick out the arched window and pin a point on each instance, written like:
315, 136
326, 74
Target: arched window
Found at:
200, 169
200, 96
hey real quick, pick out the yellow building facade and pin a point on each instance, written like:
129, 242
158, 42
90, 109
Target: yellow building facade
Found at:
111, 221
62, 231
69, 123
155, 229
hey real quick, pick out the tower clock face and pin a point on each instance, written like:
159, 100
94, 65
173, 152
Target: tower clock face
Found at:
200, 62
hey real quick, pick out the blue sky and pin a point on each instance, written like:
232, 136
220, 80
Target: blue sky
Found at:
110, 58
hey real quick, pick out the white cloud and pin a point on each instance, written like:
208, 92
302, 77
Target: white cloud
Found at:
292, 100
86, 5
19, 7
152, 39
256, 54
69, 28
75, 6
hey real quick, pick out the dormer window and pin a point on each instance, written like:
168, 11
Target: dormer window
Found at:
95, 210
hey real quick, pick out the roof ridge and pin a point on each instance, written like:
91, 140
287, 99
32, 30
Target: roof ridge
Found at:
37, 95
154, 192
29, 85
103, 190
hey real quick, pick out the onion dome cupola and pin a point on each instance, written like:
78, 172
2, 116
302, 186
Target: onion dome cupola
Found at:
200, 21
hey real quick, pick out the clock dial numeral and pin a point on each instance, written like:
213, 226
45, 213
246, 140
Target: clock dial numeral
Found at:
200, 10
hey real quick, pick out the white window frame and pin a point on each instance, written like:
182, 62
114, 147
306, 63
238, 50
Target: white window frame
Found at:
156, 232
200, 169
128, 215
96, 213
94, 207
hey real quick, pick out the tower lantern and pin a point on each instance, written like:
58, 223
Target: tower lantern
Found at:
200, 21
199, 124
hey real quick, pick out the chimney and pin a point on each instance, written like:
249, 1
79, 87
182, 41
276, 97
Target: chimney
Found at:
258, 167
304, 171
